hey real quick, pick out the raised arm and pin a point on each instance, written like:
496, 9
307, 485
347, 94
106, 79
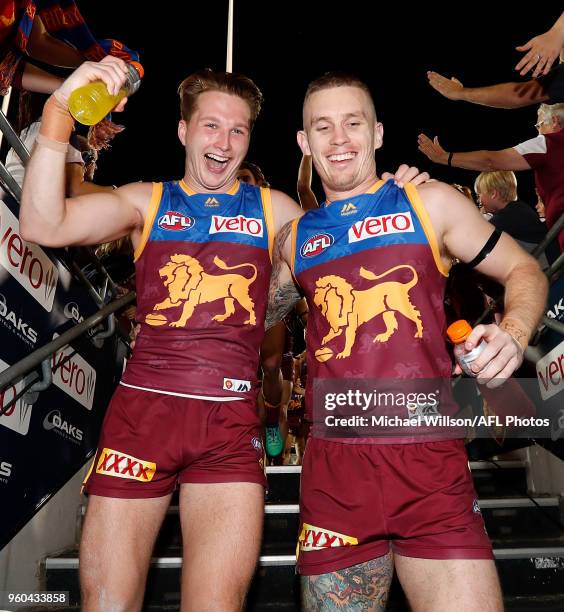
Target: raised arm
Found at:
503, 95
283, 293
542, 50
483, 161
46, 216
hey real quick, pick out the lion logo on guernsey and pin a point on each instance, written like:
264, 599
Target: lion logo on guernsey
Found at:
346, 309
316, 245
175, 221
317, 538
189, 286
119, 465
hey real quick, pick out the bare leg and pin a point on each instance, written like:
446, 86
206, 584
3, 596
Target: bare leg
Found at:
115, 551
363, 587
221, 529
464, 585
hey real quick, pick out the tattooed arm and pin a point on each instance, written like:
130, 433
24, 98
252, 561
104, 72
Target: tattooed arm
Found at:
283, 293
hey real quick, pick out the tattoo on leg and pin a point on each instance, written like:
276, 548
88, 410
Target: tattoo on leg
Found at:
361, 588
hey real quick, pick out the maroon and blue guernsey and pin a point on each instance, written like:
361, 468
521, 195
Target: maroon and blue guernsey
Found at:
374, 280
202, 272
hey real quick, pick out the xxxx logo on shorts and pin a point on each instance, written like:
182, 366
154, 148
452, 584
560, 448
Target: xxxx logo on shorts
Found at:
113, 463
317, 538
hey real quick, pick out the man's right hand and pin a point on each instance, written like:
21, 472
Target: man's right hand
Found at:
111, 70
450, 88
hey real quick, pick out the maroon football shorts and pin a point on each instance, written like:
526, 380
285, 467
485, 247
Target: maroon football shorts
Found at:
360, 500
152, 441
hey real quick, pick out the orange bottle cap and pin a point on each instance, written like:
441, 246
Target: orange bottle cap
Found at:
139, 68
459, 331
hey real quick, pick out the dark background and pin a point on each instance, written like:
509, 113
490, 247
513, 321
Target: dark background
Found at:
283, 45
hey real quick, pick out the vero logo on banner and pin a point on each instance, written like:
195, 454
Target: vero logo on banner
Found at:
26, 262
18, 415
372, 227
75, 376
550, 372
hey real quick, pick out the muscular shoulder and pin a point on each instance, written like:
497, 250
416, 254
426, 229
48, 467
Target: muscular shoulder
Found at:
138, 196
441, 201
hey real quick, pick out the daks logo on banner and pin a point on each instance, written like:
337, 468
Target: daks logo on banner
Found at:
15, 323
18, 415
26, 262
74, 375
55, 422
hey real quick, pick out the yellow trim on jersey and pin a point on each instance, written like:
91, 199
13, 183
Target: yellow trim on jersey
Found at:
235, 188
376, 186
149, 219
294, 232
415, 199
189, 191
266, 200
372, 189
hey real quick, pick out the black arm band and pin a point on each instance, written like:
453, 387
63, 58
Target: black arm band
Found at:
449, 161
486, 249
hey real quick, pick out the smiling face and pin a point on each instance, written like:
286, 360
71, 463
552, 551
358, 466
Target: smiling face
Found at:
216, 138
341, 134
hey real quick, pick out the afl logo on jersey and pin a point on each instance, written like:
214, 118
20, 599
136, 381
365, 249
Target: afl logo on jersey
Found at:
316, 245
176, 222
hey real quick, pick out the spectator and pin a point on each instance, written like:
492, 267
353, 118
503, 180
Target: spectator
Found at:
544, 154
497, 192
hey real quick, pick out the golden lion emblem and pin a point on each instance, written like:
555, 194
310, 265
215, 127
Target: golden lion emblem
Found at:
346, 309
189, 286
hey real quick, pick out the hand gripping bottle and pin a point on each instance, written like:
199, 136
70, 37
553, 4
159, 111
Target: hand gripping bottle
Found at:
90, 103
457, 333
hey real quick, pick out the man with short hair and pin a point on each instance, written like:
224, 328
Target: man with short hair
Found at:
544, 154
185, 411
372, 263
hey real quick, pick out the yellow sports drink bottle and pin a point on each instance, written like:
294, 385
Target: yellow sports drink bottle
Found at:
90, 103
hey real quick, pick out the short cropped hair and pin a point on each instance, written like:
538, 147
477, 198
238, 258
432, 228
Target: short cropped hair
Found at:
553, 110
338, 79
502, 181
226, 82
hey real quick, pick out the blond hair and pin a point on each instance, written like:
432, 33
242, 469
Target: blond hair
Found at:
502, 181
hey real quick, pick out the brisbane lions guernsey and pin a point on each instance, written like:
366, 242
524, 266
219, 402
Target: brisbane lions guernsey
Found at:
374, 280
202, 272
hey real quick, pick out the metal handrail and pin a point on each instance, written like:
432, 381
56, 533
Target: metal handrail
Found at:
32, 360
13, 139
10, 183
550, 236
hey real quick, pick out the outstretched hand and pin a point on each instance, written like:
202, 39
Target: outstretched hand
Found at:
432, 149
450, 88
541, 51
